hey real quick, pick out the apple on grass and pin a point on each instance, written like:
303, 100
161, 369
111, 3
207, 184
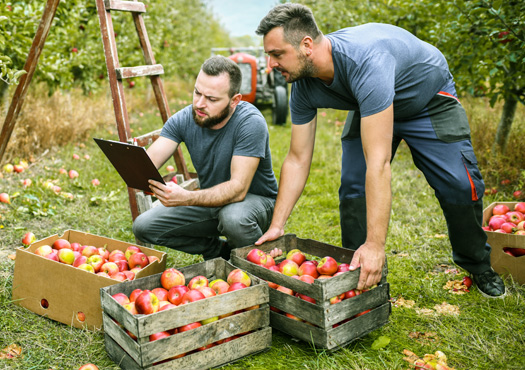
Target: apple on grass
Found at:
176, 293
327, 266
147, 302
198, 282
28, 239
257, 256
238, 276
171, 277
88, 367
4, 198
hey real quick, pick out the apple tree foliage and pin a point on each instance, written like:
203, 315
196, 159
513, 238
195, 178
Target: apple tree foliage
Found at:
483, 41
181, 33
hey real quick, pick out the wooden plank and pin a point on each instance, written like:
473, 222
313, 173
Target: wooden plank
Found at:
125, 6
30, 66
139, 71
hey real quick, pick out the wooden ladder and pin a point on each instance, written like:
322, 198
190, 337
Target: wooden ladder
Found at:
137, 200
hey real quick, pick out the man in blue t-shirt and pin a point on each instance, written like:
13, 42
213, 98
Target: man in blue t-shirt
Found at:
396, 87
228, 142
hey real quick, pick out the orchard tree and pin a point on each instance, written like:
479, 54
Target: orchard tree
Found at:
483, 41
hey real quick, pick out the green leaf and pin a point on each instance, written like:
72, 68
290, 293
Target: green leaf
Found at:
380, 342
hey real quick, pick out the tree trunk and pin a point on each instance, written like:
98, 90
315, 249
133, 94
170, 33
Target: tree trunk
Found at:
507, 116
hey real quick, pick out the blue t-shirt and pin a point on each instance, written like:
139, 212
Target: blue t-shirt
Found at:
211, 151
375, 65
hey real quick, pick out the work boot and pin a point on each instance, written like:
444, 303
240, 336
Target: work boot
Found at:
489, 284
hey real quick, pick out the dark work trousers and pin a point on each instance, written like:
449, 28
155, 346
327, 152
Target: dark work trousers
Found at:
439, 140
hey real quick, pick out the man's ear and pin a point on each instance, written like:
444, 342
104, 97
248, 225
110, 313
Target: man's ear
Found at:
235, 100
307, 45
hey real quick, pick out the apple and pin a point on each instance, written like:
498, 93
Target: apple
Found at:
122, 265
518, 252
176, 292
500, 209
135, 269
517, 194
138, 259
327, 266
43, 250
515, 217
337, 298
95, 182
519, 232
109, 267
520, 226
257, 256
170, 168
120, 276
96, 261
103, 252
238, 276
219, 286
147, 303
306, 298
307, 279
66, 256
288, 267
297, 256
28, 239
132, 249
8, 168
509, 251
61, 243
207, 291
210, 320
166, 306
89, 250
293, 317
198, 282
73, 174
86, 267
121, 298
352, 293
104, 274
88, 367
76, 247
157, 336
520, 207
27, 182
308, 268
362, 313
131, 308
270, 261
115, 255
343, 267
285, 290
80, 261
495, 222
192, 296
161, 293
134, 294
467, 281
171, 277
4, 198
508, 227
152, 259
189, 327
236, 286
130, 275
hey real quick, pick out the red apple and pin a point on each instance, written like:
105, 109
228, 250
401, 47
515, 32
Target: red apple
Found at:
308, 268
293, 317
53, 256
238, 276
288, 267
352, 293
156, 336
171, 277
76, 247
147, 303
130, 275
508, 227
176, 292
120, 276
285, 290
4, 198
132, 309
515, 217
337, 298
496, 222
207, 291
79, 261
467, 281
327, 266
134, 294
189, 327
89, 250
343, 267
109, 268
116, 255
520, 207
236, 286
152, 259
103, 252
43, 250
500, 209
219, 286
257, 256
122, 264
297, 256
73, 174
61, 243
138, 259
166, 306
28, 239
66, 256
307, 279
96, 261
198, 282
519, 232
132, 249
518, 252
306, 298
269, 261
105, 274
192, 296
161, 293
88, 367
121, 298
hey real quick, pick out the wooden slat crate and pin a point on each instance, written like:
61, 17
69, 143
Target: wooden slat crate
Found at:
325, 325
252, 327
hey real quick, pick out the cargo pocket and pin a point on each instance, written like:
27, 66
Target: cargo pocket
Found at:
352, 129
449, 119
470, 162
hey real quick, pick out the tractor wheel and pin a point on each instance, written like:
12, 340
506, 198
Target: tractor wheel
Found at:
279, 106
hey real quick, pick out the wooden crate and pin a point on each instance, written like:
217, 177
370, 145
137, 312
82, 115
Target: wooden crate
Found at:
325, 325
143, 354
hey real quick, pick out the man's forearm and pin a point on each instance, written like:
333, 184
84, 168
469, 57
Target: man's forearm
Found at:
378, 203
216, 196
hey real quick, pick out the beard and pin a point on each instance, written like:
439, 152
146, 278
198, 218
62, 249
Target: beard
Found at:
211, 121
306, 69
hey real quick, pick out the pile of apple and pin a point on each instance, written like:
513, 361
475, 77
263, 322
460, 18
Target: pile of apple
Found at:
505, 220
175, 292
297, 266
118, 265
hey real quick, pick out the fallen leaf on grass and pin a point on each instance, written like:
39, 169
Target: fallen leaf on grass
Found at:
402, 302
11, 351
424, 338
436, 361
425, 311
447, 309
12, 257
380, 342
456, 287
440, 236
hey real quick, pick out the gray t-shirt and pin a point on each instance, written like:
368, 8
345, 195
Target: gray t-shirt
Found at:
211, 151
375, 65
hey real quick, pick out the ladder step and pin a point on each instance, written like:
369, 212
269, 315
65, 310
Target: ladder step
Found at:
125, 6
147, 70
148, 138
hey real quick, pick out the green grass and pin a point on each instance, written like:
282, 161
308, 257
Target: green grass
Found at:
487, 334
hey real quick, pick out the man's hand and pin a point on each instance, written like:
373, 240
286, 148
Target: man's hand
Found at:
371, 258
170, 195
272, 234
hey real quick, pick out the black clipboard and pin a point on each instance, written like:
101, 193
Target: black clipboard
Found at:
131, 162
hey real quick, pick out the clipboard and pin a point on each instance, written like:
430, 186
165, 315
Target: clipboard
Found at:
131, 162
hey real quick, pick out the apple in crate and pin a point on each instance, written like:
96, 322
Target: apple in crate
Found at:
297, 256
43, 250
87, 267
520, 207
171, 277
134, 294
131, 250
187, 327
219, 286
61, 243
80, 260
289, 267
257, 256
308, 268
122, 265
120, 276
500, 209
138, 259
116, 255
161, 293
198, 282
96, 261
109, 267
192, 296
207, 291
89, 250
176, 292
121, 298
157, 336
66, 256
327, 266
147, 302
238, 276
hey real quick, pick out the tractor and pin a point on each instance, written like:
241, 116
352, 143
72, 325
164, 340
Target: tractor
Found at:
261, 85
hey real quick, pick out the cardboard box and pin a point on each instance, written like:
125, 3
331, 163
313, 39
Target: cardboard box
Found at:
503, 263
68, 292
250, 328
323, 324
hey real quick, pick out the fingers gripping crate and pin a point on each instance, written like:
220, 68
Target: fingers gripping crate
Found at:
249, 325
324, 324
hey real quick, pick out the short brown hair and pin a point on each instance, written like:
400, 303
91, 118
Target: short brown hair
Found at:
296, 20
217, 65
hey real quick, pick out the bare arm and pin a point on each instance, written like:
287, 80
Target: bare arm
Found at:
376, 136
234, 190
161, 150
294, 173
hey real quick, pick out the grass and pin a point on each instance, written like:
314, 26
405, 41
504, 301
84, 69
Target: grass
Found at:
487, 334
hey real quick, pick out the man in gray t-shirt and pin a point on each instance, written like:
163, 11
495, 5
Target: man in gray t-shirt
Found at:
396, 88
228, 142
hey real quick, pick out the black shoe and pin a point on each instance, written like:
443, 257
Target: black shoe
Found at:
490, 284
